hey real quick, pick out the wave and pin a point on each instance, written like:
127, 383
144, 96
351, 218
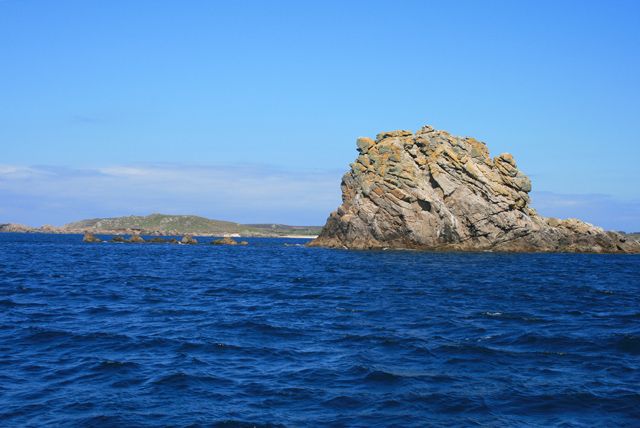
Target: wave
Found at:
182, 380
8, 303
111, 365
574, 401
511, 316
235, 423
343, 402
382, 376
627, 343
262, 328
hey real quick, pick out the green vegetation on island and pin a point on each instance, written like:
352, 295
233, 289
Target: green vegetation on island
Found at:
169, 225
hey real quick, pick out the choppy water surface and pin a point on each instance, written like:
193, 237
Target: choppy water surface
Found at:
269, 334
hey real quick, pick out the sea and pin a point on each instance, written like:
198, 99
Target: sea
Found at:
275, 334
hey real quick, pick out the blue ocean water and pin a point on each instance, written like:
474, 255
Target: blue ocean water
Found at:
277, 334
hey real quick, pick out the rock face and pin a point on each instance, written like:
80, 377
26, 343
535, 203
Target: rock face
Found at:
434, 191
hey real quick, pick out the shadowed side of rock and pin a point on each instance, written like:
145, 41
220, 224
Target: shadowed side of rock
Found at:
434, 191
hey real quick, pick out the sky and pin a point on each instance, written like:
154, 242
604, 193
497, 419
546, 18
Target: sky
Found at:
249, 110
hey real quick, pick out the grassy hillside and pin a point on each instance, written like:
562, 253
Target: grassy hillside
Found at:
283, 229
181, 224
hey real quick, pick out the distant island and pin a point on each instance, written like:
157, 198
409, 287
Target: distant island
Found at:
168, 225
435, 191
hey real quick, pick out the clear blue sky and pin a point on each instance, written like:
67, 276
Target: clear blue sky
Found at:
118, 107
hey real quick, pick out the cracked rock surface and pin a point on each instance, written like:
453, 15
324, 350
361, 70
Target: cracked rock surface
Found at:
434, 191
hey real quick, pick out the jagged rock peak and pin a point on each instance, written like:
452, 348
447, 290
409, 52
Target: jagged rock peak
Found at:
432, 190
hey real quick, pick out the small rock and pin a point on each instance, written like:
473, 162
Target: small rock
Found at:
188, 239
90, 238
227, 241
136, 239
118, 239
364, 143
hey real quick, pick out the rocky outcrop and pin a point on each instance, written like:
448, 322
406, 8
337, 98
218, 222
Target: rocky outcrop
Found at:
136, 239
228, 241
189, 240
434, 191
90, 238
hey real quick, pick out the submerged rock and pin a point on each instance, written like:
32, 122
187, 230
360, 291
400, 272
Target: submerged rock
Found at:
90, 238
118, 239
157, 240
434, 191
228, 241
189, 240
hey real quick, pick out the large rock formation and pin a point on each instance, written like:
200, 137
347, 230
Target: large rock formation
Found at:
433, 191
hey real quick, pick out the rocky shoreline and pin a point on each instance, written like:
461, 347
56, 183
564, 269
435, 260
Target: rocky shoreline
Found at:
434, 191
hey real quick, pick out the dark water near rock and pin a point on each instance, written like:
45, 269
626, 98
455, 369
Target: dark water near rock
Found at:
157, 335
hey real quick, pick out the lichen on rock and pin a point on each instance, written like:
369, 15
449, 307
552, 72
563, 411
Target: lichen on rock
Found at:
434, 191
